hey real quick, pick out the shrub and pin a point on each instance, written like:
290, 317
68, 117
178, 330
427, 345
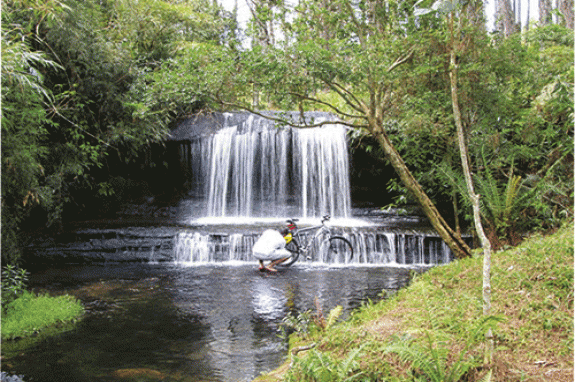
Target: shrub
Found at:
14, 282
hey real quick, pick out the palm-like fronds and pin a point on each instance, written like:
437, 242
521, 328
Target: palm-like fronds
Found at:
429, 362
501, 202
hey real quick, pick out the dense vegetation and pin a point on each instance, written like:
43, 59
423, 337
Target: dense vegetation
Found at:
89, 86
25, 313
433, 329
68, 121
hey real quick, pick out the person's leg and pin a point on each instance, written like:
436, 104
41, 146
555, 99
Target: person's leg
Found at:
271, 266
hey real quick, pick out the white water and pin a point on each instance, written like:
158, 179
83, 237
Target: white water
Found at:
258, 170
370, 248
248, 174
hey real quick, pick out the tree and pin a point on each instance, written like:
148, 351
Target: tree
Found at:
24, 120
564, 9
455, 51
510, 144
67, 72
353, 71
459, 39
356, 65
505, 17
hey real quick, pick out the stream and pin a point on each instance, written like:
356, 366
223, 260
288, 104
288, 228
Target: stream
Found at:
167, 322
172, 291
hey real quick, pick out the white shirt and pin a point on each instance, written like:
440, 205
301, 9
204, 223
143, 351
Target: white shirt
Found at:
270, 246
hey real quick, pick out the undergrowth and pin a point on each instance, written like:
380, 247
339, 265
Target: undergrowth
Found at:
434, 329
30, 313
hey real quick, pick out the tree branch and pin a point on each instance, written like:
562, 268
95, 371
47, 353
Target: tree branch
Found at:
288, 122
401, 60
334, 108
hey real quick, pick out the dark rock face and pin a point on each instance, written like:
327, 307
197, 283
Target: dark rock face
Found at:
104, 245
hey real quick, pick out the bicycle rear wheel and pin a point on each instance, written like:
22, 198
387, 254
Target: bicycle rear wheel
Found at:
339, 250
293, 247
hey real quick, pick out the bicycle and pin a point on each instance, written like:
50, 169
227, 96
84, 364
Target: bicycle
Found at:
330, 247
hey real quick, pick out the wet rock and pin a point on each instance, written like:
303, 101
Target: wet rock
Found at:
138, 374
5, 377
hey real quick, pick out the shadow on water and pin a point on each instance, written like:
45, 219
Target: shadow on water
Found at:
202, 323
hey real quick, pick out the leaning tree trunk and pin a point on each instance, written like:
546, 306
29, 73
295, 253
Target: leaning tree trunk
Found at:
451, 238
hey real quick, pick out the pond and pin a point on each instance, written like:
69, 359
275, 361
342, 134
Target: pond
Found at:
167, 322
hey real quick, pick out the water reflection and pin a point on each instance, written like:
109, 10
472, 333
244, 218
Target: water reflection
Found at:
205, 323
269, 301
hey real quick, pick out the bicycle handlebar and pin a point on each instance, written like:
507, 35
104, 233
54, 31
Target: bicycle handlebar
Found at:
292, 222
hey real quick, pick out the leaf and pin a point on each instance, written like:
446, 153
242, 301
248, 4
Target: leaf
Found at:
333, 316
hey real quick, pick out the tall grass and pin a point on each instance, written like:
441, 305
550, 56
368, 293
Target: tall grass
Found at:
433, 329
30, 313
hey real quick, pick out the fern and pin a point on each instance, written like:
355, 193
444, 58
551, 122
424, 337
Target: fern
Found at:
428, 355
333, 316
320, 367
501, 203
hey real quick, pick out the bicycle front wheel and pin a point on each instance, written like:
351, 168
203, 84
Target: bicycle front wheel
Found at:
339, 250
293, 247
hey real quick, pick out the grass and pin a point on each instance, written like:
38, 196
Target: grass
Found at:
434, 329
31, 313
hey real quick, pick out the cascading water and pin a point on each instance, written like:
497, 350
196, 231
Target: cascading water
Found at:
243, 167
257, 169
371, 247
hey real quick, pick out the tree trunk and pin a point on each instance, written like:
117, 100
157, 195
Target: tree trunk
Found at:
566, 9
485, 243
528, 15
451, 238
545, 9
505, 18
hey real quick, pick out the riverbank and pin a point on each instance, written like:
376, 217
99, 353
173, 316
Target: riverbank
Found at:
435, 326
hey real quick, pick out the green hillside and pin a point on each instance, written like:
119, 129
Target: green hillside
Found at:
434, 329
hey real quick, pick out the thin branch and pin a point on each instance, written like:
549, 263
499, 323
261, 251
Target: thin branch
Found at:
401, 60
288, 122
344, 93
56, 112
334, 108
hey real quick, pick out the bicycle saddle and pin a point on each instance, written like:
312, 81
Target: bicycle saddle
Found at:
291, 224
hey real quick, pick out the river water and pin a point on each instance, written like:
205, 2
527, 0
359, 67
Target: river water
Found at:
181, 299
186, 323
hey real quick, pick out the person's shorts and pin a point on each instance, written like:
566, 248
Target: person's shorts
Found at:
275, 255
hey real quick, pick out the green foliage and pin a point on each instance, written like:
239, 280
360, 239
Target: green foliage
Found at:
68, 69
30, 313
429, 350
429, 362
518, 119
320, 367
24, 129
307, 323
14, 283
300, 323
433, 330
501, 204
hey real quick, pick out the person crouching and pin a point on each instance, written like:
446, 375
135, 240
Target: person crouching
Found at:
270, 247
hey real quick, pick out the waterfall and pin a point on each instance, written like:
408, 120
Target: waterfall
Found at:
370, 248
240, 165
254, 168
